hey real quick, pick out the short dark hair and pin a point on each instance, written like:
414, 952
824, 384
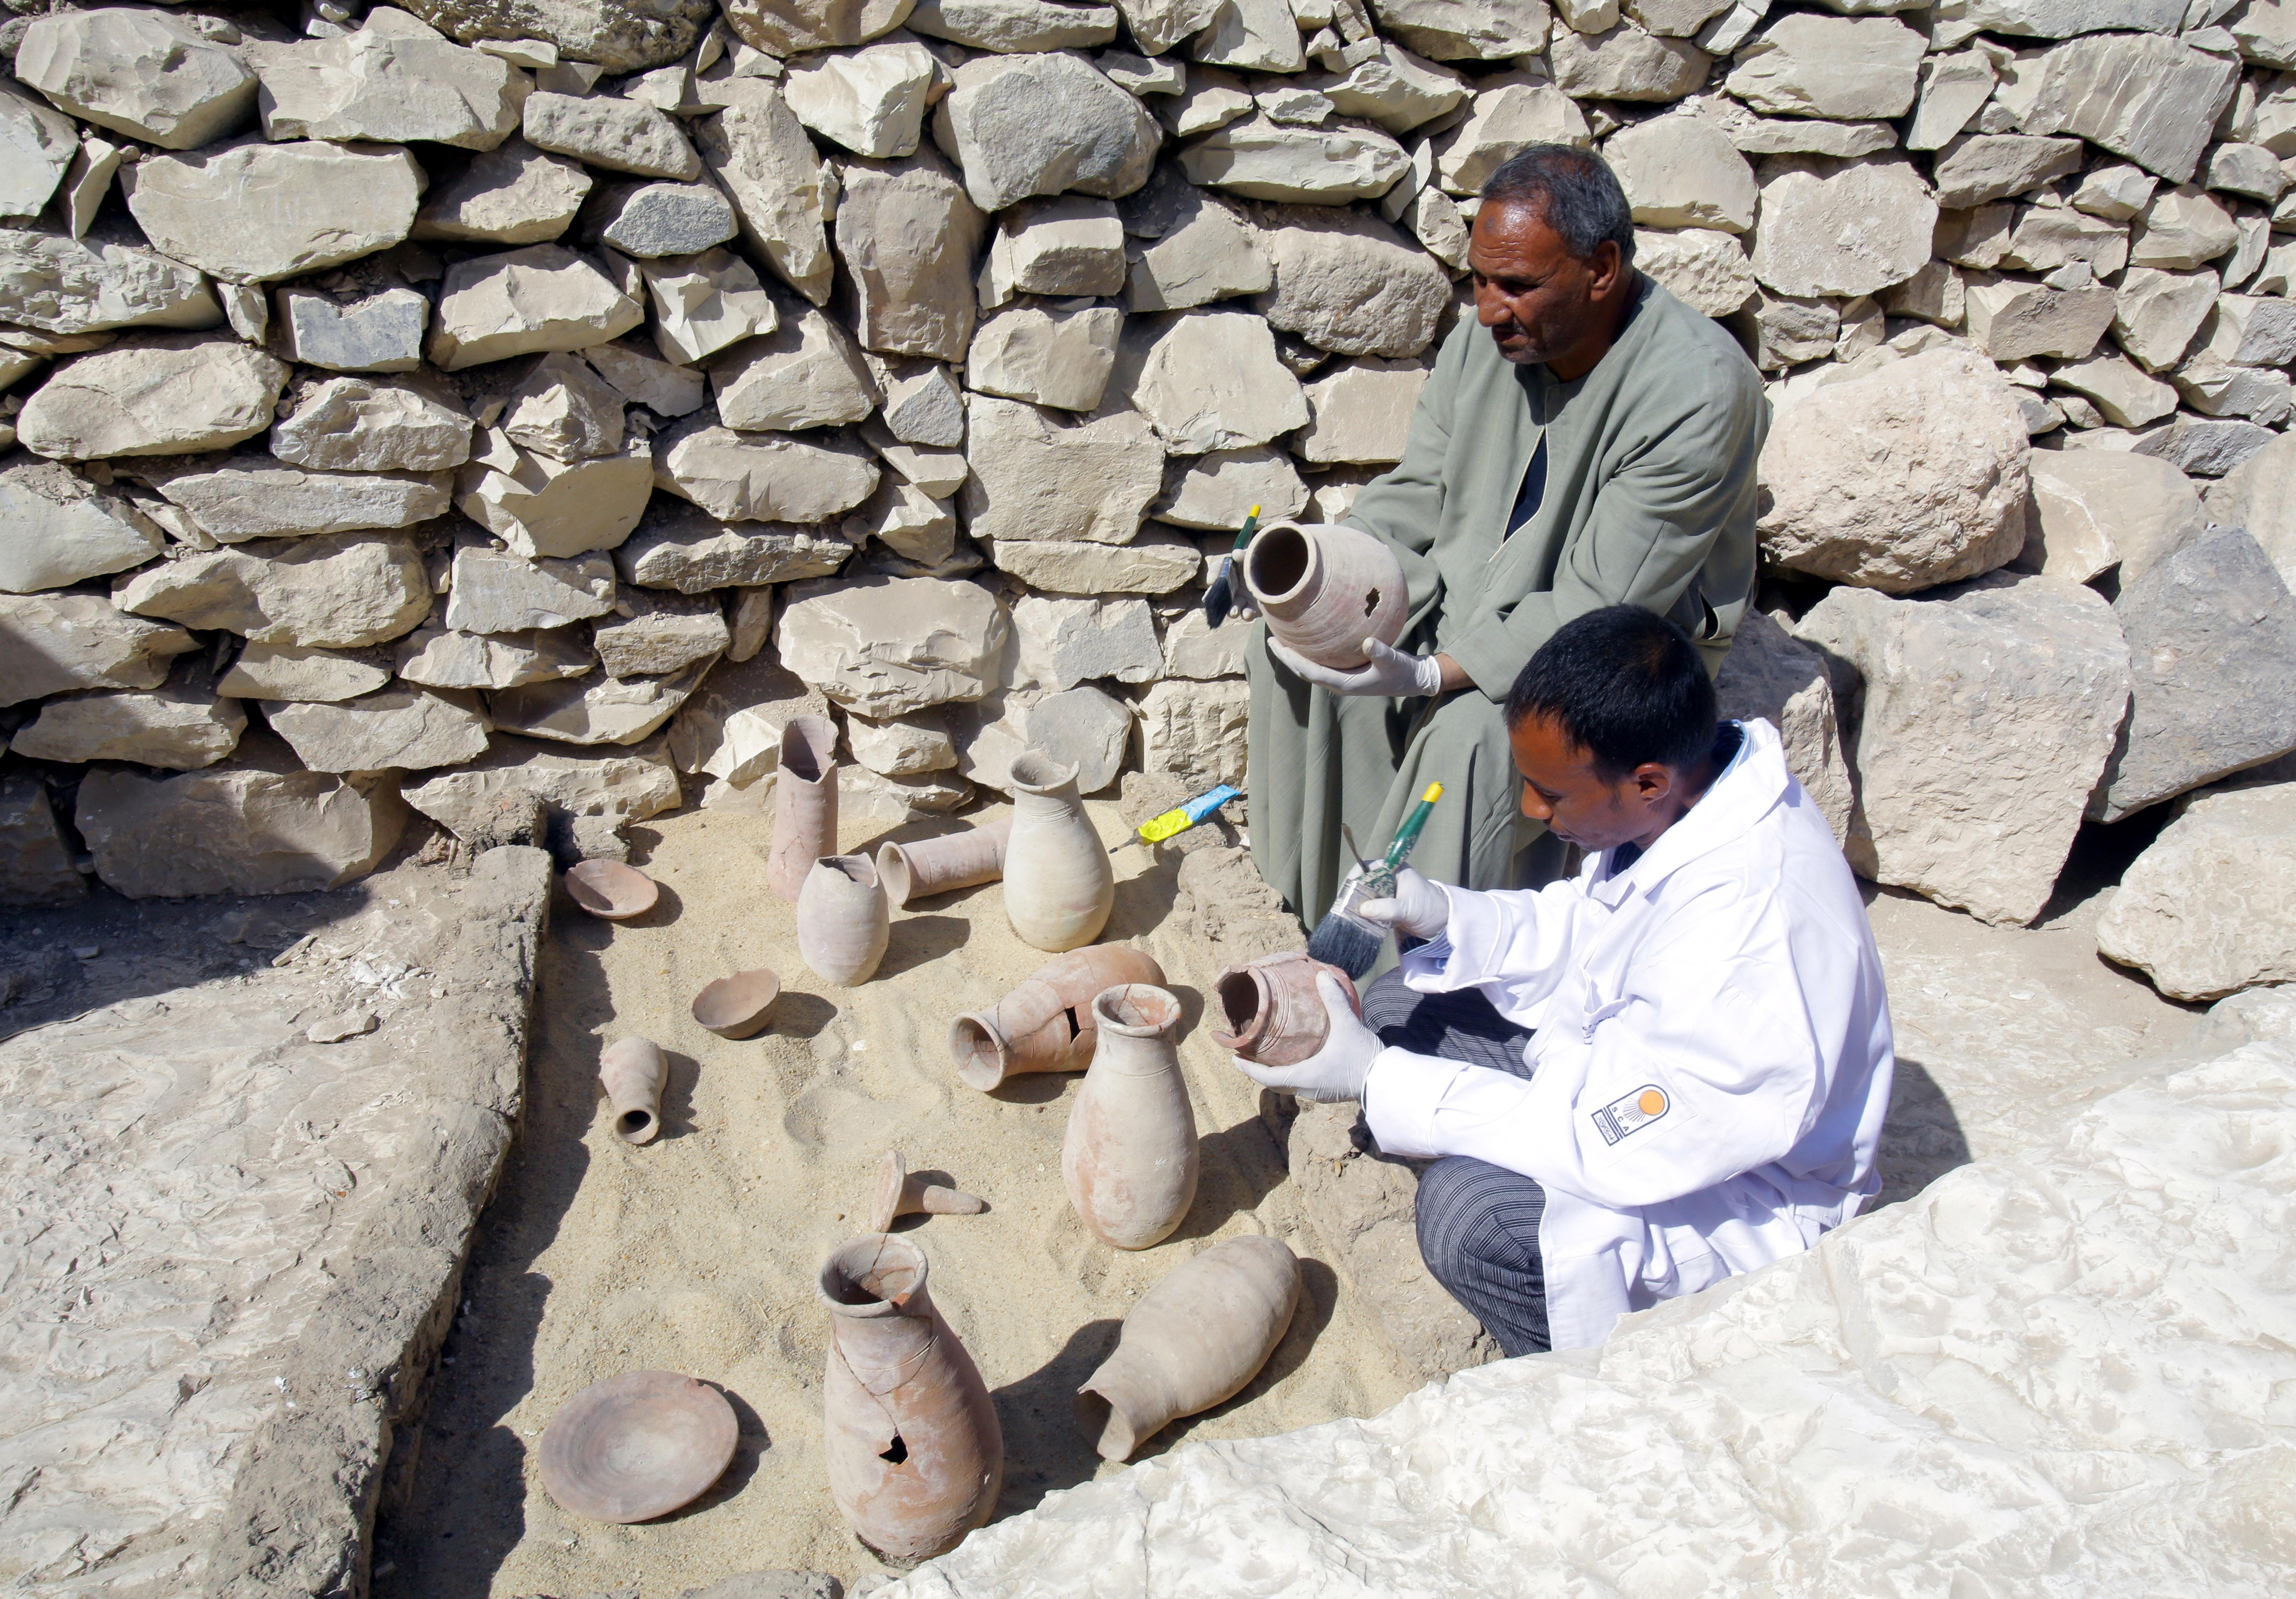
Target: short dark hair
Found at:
1576, 193
1625, 685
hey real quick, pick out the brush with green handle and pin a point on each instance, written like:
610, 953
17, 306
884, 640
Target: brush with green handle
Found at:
1342, 938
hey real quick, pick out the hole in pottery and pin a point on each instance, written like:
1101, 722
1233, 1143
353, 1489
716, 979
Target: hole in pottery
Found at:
1239, 998
1371, 601
898, 1453
631, 1124
1279, 561
1075, 1026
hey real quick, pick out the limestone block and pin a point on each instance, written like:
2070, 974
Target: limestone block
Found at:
907, 521
1025, 125
1037, 475
1829, 227
1212, 253
1788, 331
2049, 237
1770, 674
1251, 35
1068, 246
291, 672
595, 709
1220, 488
395, 79
439, 656
511, 194
2213, 386
805, 373
410, 729
783, 28
250, 211
58, 528
661, 633
1014, 25
2115, 191
1503, 121
1976, 237
938, 473
705, 303
2062, 19
1264, 159
1436, 222
900, 748
750, 476
2259, 494
2266, 31
2181, 227
1807, 65
1969, 171
2118, 388
2092, 509
871, 102
87, 181
923, 402
1154, 563
2249, 330
2211, 635
237, 497
540, 506
1706, 270
2203, 447
635, 784
1158, 25
2012, 320
356, 424
2249, 169
497, 591
907, 233
1450, 30
333, 590
152, 397
1065, 642
1047, 358
781, 193
620, 36
241, 829
2149, 98
1681, 171
1953, 89
1392, 88
618, 136
35, 864
525, 302
61, 286
1209, 99
36, 147
1680, 19
663, 389
887, 647
2204, 912
654, 220
180, 726
1195, 731
1936, 294
1909, 476
1349, 283
155, 78
564, 409
1207, 381
380, 332
1360, 411
52, 644
1792, 136
1084, 728
1194, 649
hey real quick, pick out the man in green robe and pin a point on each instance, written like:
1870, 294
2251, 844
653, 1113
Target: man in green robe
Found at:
1589, 440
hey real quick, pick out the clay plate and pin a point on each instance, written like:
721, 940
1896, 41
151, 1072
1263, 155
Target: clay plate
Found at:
610, 890
739, 1006
637, 1446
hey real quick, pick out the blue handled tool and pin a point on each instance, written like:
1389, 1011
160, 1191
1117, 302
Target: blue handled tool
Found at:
1157, 829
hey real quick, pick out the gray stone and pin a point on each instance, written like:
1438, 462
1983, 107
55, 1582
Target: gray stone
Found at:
354, 424
251, 212
52, 644
2204, 446
1969, 171
621, 36
408, 729
907, 233
1046, 356
2259, 494
1194, 649
380, 332
650, 220
1220, 488
2203, 911
1502, 120
525, 302
752, 476
235, 498
1212, 253
1807, 65
1158, 25
1706, 270
2119, 390
654, 632
781, 193
595, 709
629, 785
2181, 227
1681, 171
155, 78
541, 505
291, 672
705, 303
871, 102
153, 397
1772, 675
565, 410
1349, 283
335, 590
923, 402
1361, 411
938, 472
58, 528
1788, 331
35, 864
1083, 728
393, 80
240, 829
1626, 63
179, 727
1014, 25
2092, 509
2150, 98
1153, 563
36, 147
1207, 381
1977, 237
1068, 246
2249, 330
2012, 319
619, 135
1392, 88
1065, 642
1953, 89
1025, 125
887, 647
805, 373
1036, 475
512, 194
494, 591
664, 390
439, 656
907, 521
1263, 159
2062, 19
1835, 228
61, 286
1449, 30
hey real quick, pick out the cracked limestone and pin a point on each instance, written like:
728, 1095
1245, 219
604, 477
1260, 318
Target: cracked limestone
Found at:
73, 286
1770, 674
291, 672
654, 632
1705, 269
1208, 253
438, 657
1046, 356
594, 709
1065, 642
51, 643
156, 397
1263, 159
525, 302
1218, 490
654, 220
1681, 171
1841, 228
373, 332
782, 194
395, 79
1349, 283
179, 728
335, 590
511, 194
871, 102
251, 212
1026, 125
2149, 98
1151, 564
155, 78
2202, 912
1071, 245
1805, 65
682, 546
2095, 509
541, 505
1360, 412
235, 498
401, 728
37, 145
887, 647
564, 409
907, 233
1208, 379
1626, 63
805, 373
1037, 475
57, 528
762, 476
634, 782
704, 303
617, 135
497, 591
1502, 121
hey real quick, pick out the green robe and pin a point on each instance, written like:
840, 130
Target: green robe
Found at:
1650, 499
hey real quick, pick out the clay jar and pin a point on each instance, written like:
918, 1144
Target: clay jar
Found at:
1047, 1023
1193, 1340
1059, 886
805, 803
1129, 1159
954, 860
1275, 1014
1326, 590
843, 920
633, 1071
913, 1448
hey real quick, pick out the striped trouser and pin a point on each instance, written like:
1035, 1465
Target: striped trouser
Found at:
1477, 1223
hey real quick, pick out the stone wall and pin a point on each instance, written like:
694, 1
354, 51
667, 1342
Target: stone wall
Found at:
407, 411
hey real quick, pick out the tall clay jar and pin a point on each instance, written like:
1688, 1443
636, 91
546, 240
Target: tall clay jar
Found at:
914, 1454
1272, 1011
1191, 1342
1047, 1023
1326, 590
805, 803
633, 1072
1059, 886
1129, 1159
842, 919
937, 865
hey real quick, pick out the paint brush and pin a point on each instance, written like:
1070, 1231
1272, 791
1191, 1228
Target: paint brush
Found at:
1219, 598
1344, 938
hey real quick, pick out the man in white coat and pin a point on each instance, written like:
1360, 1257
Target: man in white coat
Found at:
1638, 1082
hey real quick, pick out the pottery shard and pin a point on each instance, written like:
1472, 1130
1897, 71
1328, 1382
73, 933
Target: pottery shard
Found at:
1847, 228
886, 646
1038, 475
908, 232
1772, 675
1349, 283
2149, 98
1626, 63
154, 396
1046, 356
684, 547
782, 196
595, 709
1706, 270
494, 591
1912, 475
1263, 159
525, 302
617, 135
1503, 121
1805, 65
1065, 642
2094, 510
754, 477
36, 147
2203, 911
1195, 731
240, 497
660, 633
1209, 253
1361, 411
57, 528
635, 784
179, 728
806, 374
240, 829
371, 332
789, 27
1681, 171
251, 212
290, 672
512, 194
1220, 488
1024, 125
406, 728
2213, 643
335, 590
1447, 30
394, 79
621, 36
61, 286
871, 102
1153, 563
155, 78
35, 864
51, 643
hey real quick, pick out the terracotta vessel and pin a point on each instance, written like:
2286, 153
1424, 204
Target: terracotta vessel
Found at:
1059, 886
805, 803
1046, 1024
637, 1446
633, 1071
739, 1006
900, 1193
1191, 1342
843, 920
1275, 1014
914, 1450
610, 890
1129, 1159
954, 860
1324, 589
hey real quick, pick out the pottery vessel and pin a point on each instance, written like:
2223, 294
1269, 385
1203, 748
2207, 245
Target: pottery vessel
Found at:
1129, 1159
842, 919
610, 890
1047, 1023
1274, 1012
1058, 885
902, 1193
633, 1071
954, 860
637, 1446
1191, 1342
1326, 589
739, 1006
805, 803
911, 1440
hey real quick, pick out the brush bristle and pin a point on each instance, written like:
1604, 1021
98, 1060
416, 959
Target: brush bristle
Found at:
1342, 940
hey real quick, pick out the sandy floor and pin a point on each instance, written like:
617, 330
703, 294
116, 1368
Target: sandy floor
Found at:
698, 1253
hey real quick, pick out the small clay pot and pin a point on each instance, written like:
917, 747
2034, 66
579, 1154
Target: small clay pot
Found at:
1274, 1012
1324, 589
843, 920
901, 1192
633, 1071
610, 890
940, 866
739, 1006
1058, 885
637, 1446
1130, 1159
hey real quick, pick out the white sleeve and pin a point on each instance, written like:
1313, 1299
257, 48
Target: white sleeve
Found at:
1523, 939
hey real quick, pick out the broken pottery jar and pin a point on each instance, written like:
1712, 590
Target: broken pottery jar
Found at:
1059, 886
842, 919
1046, 1024
637, 1446
1326, 590
1191, 1342
741, 1005
910, 1435
1129, 1159
633, 1071
610, 890
954, 860
1274, 1011
805, 803
900, 1191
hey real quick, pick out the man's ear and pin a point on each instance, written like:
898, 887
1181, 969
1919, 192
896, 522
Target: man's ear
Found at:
1604, 268
1652, 782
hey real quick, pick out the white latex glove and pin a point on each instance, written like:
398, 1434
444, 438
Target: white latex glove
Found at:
1419, 907
1335, 1071
1391, 673
1240, 607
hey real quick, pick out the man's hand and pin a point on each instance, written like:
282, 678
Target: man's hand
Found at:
1419, 907
1335, 1071
1390, 673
